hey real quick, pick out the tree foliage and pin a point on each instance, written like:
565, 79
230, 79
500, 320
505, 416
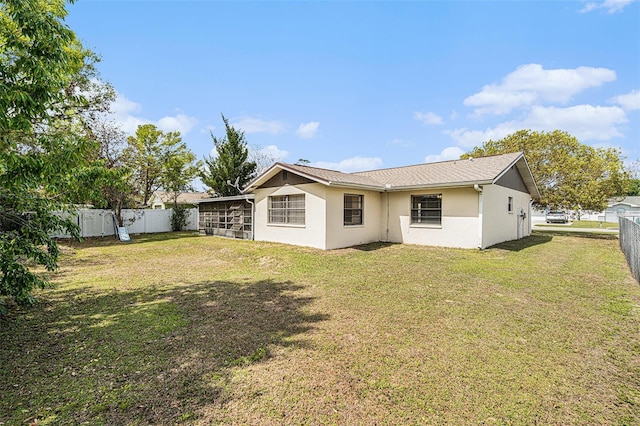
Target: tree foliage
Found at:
569, 174
230, 169
43, 145
157, 160
634, 188
180, 168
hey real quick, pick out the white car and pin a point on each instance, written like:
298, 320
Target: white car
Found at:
557, 217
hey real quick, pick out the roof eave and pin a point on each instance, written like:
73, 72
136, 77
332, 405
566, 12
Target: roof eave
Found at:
377, 188
439, 185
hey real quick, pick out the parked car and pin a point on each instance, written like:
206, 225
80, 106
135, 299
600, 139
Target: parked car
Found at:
557, 217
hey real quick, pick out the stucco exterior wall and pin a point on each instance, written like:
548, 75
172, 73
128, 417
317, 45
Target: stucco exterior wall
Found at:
460, 222
498, 223
339, 235
311, 234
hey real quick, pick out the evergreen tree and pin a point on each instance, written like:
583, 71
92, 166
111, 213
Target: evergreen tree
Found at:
229, 170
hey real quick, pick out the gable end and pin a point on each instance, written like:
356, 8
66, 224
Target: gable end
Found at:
512, 180
285, 178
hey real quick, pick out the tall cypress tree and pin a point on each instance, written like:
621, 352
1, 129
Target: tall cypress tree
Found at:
230, 169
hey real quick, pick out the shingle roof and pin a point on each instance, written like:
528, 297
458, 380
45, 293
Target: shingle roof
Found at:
334, 176
441, 174
484, 169
183, 197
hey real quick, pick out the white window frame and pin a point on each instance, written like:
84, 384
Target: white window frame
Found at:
510, 205
290, 211
352, 209
417, 210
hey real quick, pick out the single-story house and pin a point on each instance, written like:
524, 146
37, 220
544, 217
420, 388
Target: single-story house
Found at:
471, 203
164, 200
627, 207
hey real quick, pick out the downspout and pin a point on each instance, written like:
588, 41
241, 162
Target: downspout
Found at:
529, 221
387, 186
480, 210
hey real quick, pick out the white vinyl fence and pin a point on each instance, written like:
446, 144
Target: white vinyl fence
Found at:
630, 243
100, 223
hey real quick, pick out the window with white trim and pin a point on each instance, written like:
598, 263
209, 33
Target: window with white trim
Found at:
510, 205
353, 209
287, 209
426, 209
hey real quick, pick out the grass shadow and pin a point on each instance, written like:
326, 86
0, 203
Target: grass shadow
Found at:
109, 240
587, 235
373, 246
142, 357
523, 243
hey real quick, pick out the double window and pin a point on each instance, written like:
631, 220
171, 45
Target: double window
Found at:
426, 209
287, 209
352, 209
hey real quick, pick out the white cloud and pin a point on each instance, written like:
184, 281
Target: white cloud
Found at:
427, 118
180, 123
585, 122
353, 164
531, 84
274, 152
257, 125
449, 153
308, 130
629, 101
471, 138
125, 113
123, 106
612, 6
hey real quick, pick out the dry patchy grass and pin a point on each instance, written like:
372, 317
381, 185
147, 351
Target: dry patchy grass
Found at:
179, 328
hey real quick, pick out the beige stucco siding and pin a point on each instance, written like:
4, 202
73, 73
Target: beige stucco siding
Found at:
460, 222
311, 234
339, 235
497, 222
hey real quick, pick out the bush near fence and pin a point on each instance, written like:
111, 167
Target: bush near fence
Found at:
100, 223
630, 243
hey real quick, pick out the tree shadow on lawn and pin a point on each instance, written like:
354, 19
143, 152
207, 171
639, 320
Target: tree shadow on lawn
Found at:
110, 240
543, 237
144, 357
523, 243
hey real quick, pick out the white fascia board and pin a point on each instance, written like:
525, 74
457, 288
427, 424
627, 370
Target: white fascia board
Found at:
439, 186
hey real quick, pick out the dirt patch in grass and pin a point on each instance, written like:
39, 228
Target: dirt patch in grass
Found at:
181, 329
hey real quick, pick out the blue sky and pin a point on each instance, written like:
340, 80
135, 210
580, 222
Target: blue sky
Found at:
364, 85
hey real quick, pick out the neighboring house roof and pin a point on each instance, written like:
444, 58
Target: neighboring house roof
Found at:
183, 197
629, 201
484, 170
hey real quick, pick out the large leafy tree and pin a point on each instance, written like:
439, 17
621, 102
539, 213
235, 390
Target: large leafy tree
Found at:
569, 174
147, 155
230, 169
43, 146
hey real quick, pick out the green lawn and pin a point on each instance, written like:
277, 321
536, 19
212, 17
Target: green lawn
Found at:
185, 329
584, 224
